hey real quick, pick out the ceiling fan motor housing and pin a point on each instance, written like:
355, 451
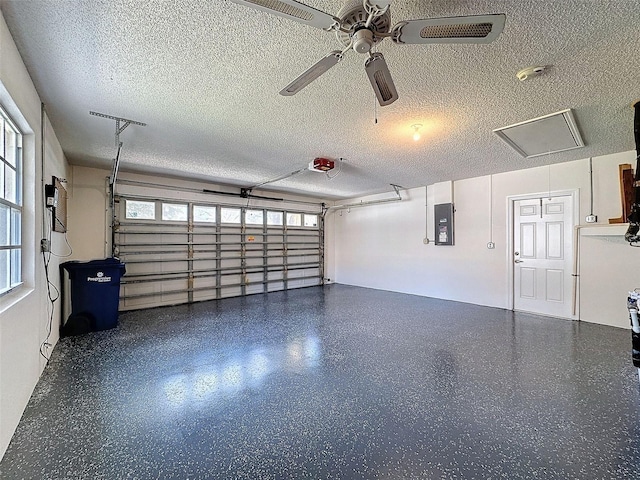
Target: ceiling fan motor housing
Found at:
353, 17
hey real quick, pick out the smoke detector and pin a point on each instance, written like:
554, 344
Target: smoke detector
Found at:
530, 72
321, 165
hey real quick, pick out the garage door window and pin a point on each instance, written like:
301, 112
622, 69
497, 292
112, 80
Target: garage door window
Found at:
173, 212
140, 210
254, 217
294, 219
310, 220
204, 214
274, 218
230, 215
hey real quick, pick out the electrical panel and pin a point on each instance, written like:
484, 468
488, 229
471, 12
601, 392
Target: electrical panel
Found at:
443, 214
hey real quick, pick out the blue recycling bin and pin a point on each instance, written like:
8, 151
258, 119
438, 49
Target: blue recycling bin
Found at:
95, 293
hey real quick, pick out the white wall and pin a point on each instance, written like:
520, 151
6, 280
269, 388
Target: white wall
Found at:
23, 312
381, 246
88, 214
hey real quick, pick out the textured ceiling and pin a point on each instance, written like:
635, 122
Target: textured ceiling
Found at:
205, 77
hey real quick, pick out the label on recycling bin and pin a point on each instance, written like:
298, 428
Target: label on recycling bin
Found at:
99, 278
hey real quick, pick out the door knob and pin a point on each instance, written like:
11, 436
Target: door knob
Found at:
517, 260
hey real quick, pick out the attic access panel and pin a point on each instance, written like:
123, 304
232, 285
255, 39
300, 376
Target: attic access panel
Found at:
552, 133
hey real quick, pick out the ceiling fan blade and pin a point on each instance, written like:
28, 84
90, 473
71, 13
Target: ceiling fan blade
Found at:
295, 11
380, 79
471, 29
314, 72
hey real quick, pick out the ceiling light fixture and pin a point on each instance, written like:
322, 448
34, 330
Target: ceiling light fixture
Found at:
416, 131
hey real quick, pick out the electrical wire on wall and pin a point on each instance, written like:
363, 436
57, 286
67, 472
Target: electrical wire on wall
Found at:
53, 294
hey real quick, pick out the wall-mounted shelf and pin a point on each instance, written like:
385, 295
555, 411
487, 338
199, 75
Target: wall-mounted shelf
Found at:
604, 230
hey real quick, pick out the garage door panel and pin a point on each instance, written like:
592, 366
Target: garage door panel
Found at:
205, 238
153, 250
302, 259
275, 287
201, 296
227, 292
231, 263
231, 279
215, 251
254, 262
275, 261
295, 283
208, 264
202, 253
146, 268
253, 289
151, 257
139, 302
254, 278
205, 282
174, 297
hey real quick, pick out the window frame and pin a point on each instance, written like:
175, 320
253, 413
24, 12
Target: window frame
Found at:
15, 209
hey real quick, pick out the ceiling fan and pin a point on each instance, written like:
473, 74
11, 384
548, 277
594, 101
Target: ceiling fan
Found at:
362, 24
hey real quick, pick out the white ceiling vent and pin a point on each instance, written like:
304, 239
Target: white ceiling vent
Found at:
552, 133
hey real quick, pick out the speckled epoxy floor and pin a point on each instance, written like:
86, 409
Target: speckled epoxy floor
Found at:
334, 382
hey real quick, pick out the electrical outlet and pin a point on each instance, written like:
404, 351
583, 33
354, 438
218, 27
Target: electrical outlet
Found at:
45, 245
591, 218
491, 245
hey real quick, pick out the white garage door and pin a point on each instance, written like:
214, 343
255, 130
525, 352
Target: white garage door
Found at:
186, 251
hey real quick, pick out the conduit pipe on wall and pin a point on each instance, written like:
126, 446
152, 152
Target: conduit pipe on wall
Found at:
396, 188
426, 240
575, 274
42, 168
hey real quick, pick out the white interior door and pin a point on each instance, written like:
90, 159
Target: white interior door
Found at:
542, 255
